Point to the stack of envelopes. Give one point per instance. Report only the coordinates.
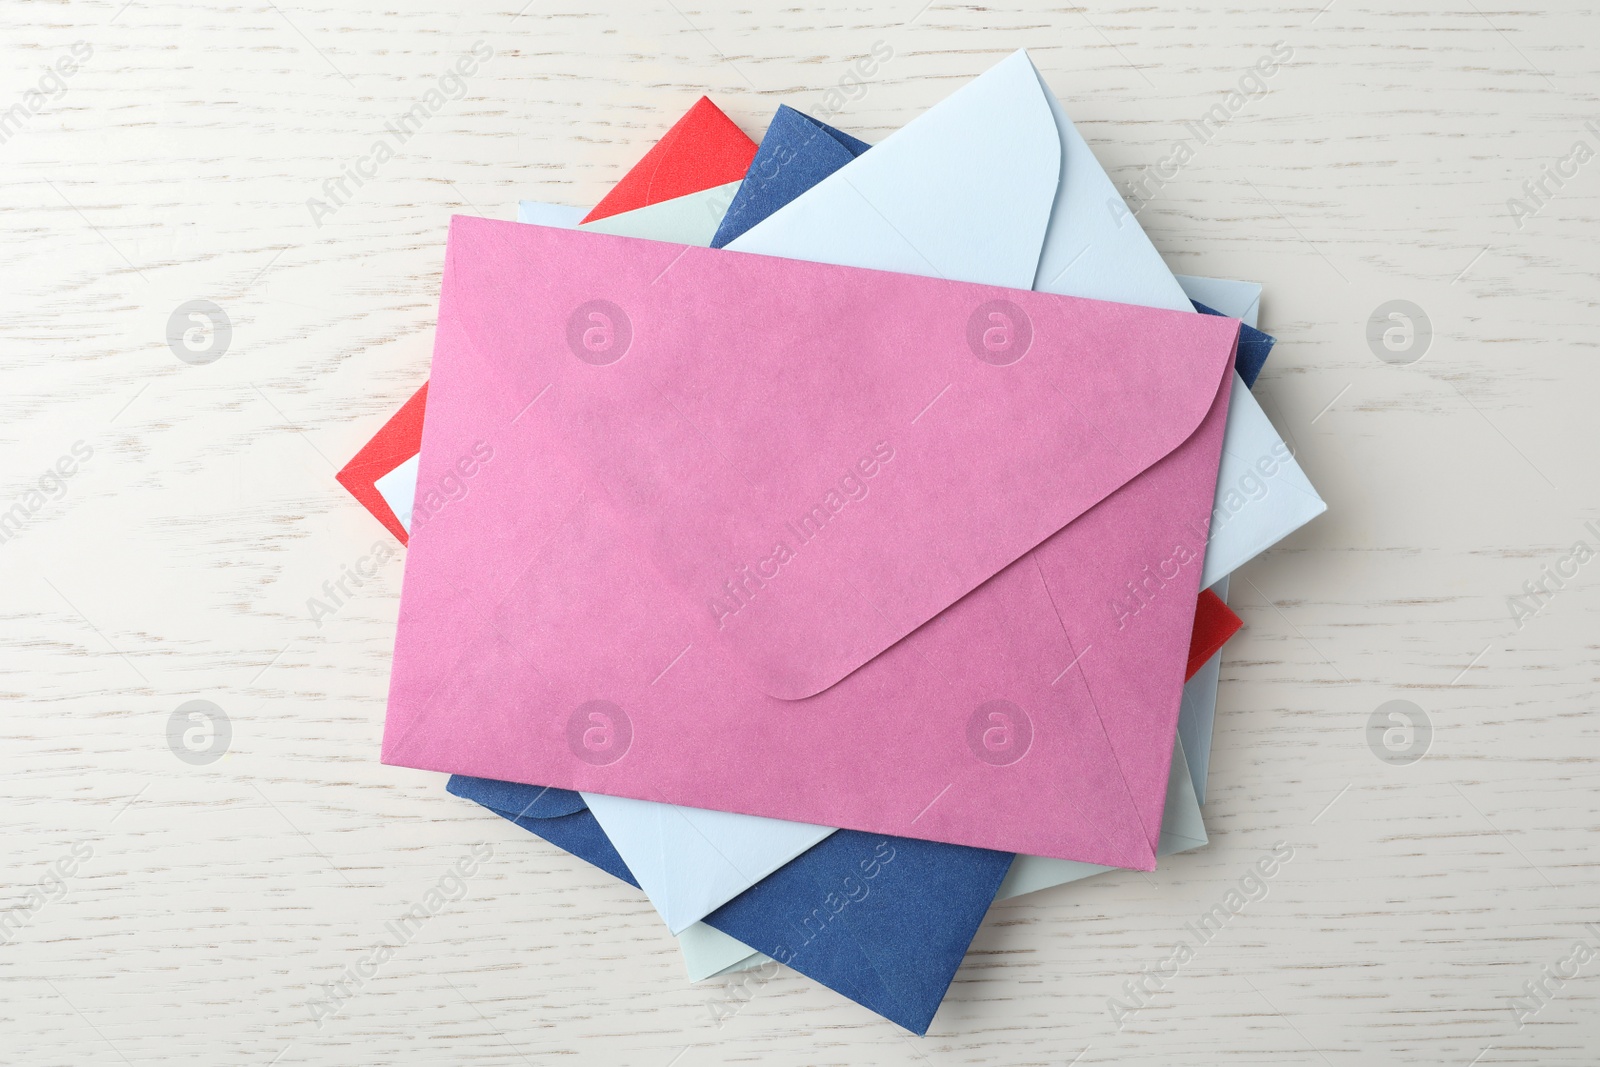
(831, 539)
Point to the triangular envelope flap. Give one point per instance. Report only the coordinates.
(693, 860)
(795, 443)
(581, 626)
(997, 131)
(885, 921)
(796, 153)
(1095, 247)
(514, 800)
(397, 441)
(702, 149)
(1136, 610)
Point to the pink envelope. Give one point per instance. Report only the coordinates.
(812, 542)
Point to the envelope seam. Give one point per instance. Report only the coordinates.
(1099, 719)
(909, 243)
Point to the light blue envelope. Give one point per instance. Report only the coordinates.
(1240, 300)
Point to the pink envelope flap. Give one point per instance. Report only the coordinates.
(821, 458)
(613, 422)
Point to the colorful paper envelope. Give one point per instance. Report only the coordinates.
(796, 153)
(1198, 637)
(1090, 163)
(394, 445)
(1240, 300)
(651, 587)
(1036, 90)
(1214, 623)
(702, 150)
(1254, 346)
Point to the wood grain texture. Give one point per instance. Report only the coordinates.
(177, 564)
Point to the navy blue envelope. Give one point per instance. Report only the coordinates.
(1254, 347)
(883, 920)
(796, 153)
(558, 815)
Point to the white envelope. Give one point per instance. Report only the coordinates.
(399, 490)
(1241, 300)
(691, 861)
(542, 214)
(684, 220)
(710, 953)
(1198, 712)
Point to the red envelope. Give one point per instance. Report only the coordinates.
(1214, 623)
(398, 440)
(704, 149)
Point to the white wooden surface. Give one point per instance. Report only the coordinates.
(178, 562)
